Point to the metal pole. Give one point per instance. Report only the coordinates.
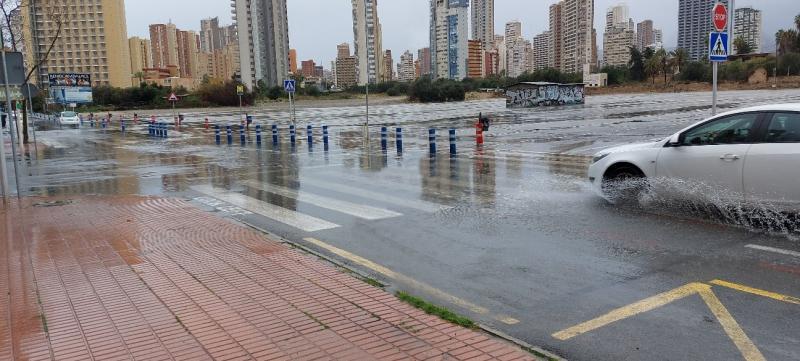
(366, 42)
(714, 89)
(731, 20)
(11, 122)
(240, 108)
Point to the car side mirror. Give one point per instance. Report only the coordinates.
(675, 141)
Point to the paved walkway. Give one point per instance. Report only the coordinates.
(125, 278)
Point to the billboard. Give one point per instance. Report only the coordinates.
(66, 88)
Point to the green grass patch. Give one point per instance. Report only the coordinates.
(435, 310)
(373, 282)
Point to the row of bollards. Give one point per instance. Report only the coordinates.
(384, 137)
(158, 130)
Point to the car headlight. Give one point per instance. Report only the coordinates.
(600, 157)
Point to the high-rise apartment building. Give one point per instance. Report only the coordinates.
(388, 64)
(106, 56)
(212, 36)
(449, 36)
(263, 32)
(140, 55)
(617, 16)
(619, 36)
(616, 46)
(308, 68)
(164, 45)
(556, 46)
(572, 29)
(405, 68)
(342, 50)
(645, 36)
(187, 53)
(490, 63)
(502, 54)
(424, 58)
(345, 67)
(293, 61)
(483, 22)
(519, 57)
(694, 25)
(748, 25)
(475, 59)
(368, 41)
(542, 51)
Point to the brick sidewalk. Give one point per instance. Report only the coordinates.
(124, 278)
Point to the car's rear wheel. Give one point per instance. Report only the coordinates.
(624, 183)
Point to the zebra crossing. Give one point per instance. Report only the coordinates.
(313, 223)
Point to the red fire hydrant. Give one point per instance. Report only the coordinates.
(479, 132)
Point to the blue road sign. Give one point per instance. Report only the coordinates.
(289, 86)
(718, 47)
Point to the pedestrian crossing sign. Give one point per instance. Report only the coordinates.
(718, 47)
(288, 85)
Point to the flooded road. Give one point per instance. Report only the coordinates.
(508, 233)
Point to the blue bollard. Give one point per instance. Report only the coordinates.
(230, 134)
(217, 136)
(432, 140)
(150, 130)
(274, 134)
(310, 134)
(166, 129)
(258, 135)
(325, 136)
(123, 125)
(241, 135)
(384, 138)
(104, 124)
(452, 142)
(292, 134)
(157, 129)
(399, 137)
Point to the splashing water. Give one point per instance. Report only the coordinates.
(697, 200)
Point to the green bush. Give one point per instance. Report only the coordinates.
(789, 64)
(442, 90)
(696, 71)
(734, 71)
(616, 74)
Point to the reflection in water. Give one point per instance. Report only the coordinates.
(281, 169)
(484, 177)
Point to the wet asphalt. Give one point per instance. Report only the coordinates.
(511, 227)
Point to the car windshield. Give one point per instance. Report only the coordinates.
(68, 114)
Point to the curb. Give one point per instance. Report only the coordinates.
(536, 351)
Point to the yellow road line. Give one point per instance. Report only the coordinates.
(408, 280)
(621, 313)
(756, 291)
(746, 346)
(749, 350)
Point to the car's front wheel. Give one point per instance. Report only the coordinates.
(624, 183)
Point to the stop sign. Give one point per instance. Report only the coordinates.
(720, 17)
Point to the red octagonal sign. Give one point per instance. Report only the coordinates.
(720, 17)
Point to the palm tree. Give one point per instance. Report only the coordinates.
(663, 62)
(139, 75)
(651, 67)
(797, 22)
(679, 57)
(786, 40)
(742, 46)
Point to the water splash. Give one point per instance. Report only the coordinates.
(698, 200)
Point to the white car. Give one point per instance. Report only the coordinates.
(749, 154)
(69, 118)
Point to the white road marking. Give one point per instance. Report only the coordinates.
(289, 217)
(353, 209)
(360, 192)
(774, 250)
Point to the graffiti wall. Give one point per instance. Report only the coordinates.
(537, 95)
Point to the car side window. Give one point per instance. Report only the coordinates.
(734, 129)
(784, 128)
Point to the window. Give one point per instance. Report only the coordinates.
(734, 129)
(784, 128)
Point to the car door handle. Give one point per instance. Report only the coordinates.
(730, 157)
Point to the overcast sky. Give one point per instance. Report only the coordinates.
(317, 26)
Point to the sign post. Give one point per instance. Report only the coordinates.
(173, 99)
(290, 86)
(718, 47)
(240, 93)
